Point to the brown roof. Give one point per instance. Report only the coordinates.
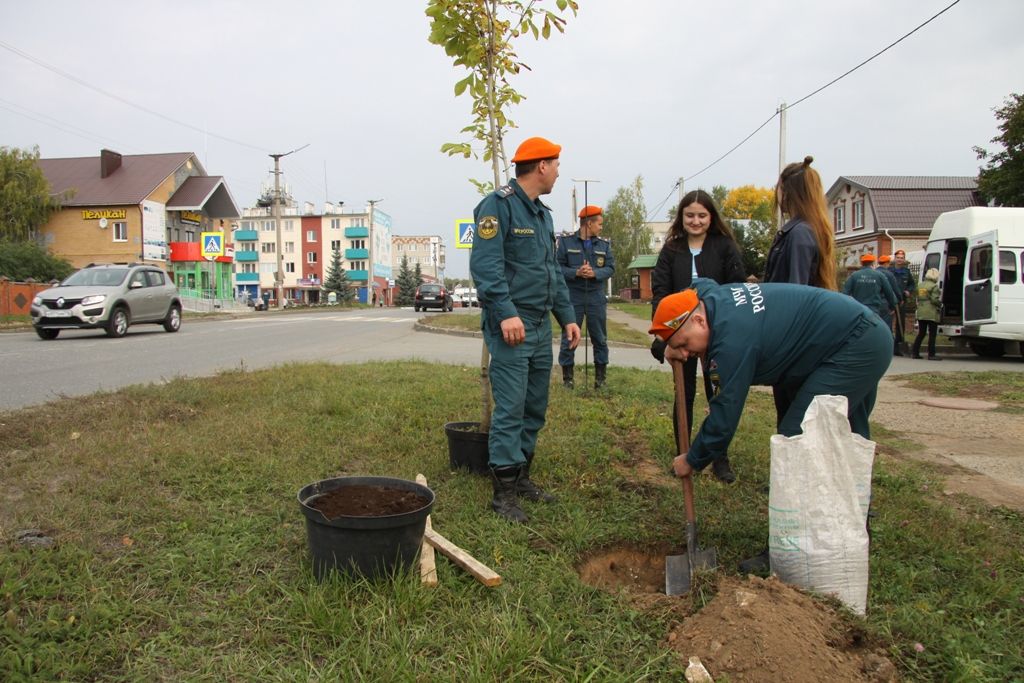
(912, 203)
(133, 182)
(204, 192)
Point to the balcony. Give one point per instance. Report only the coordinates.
(353, 254)
(247, 277)
(247, 256)
(246, 236)
(357, 232)
(356, 275)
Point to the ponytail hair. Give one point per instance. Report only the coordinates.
(799, 194)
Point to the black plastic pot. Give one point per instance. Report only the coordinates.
(367, 546)
(467, 447)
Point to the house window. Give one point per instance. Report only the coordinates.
(248, 267)
(335, 245)
(289, 225)
(120, 232)
(268, 248)
(858, 214)
(310, 257)
(190, 235)
(289, 267)
(246, 225)
(358, 244)
(357, 265)
(311, 235)
(268, 268)
(839, 217)
(268, 226)
(289, 247)
(335, 224)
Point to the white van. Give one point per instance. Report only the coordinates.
(979, 253)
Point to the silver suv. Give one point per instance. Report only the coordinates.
(111, 297)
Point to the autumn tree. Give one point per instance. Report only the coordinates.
(625, 226)
(1001, 179)
(26, 201)
(751, 212)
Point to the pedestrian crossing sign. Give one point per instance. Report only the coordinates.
(464, 230)
(213, 244)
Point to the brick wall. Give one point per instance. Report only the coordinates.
(16, 297)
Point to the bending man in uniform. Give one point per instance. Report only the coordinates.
(519, 286)
(808, 340)
(587, 264)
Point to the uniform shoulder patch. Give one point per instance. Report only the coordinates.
(488, 227)
(506, 191)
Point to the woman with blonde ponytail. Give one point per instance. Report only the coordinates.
(803, 250)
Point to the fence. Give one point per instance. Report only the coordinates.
(16, 297)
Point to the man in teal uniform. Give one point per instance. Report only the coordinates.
(808, 340)
(519, 285)
(871, 287)
(587, 263)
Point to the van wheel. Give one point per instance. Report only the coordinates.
(988, 348)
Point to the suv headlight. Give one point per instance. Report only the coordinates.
(94, 299)
(38, 301)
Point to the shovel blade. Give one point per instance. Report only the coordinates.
(679, 569)
(677, 574)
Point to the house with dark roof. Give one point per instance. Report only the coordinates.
(140, 207)
(880, 214)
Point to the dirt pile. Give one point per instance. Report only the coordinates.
(752, 630)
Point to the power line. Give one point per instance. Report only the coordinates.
(90, 86)
(833, 81)
(64, 126)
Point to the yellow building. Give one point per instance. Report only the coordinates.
(131, 208)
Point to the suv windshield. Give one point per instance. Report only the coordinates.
(93, 277)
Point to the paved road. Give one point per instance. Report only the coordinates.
(33, 371)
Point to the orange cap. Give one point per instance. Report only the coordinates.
(867, 258)
(673, 311)
(535, 149)
(590, 210)
(884, 258)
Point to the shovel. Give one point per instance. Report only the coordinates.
(680, 568)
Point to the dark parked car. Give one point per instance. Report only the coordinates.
(108, 297)
(432, 296)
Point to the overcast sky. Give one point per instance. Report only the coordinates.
(658, 88)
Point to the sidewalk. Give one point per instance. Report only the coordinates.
(622, 318)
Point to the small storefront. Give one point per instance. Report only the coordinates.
(199, 278)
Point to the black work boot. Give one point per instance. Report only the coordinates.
(722, 470)
(567, 377)
(505, 502)
(759, 564)
(525, 488)
(600, 374)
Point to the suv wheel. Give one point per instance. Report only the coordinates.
(47, 333)
(172, 323)
(117, 324)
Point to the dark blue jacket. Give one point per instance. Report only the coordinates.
(793, 256)
(571, 253)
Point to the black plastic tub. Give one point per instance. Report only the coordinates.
(373, 547)
(467, 447)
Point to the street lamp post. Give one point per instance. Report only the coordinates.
(278, 274)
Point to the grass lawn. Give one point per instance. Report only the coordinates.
(617, 332)
(180, 550)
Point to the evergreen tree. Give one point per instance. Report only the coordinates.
(407, 282)
(337, 281)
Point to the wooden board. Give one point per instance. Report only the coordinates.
(480, 571)
(428, 563)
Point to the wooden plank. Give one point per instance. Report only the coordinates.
(480, 571)
(428, 564)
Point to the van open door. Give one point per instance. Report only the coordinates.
(981, 279)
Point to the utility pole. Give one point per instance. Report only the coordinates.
(279, 274)
(369, 255)
(681, 191)
(782, 157)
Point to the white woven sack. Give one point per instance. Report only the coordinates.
(818, 505)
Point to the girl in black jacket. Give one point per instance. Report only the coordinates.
(699, 244)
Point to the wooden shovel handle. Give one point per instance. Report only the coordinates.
(683, 436)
